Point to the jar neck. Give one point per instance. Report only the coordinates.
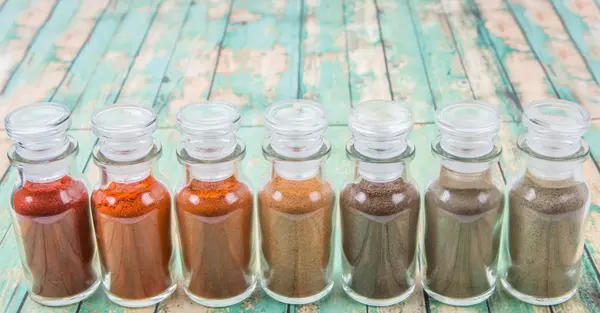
(211, 171)
(381, 172)
(297, 170)
(450, 178)
(45, 172)
(127, 174)
(126, 149)
(554, 170)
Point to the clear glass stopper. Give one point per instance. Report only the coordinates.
(39, 129)
(296, 127)
(125, 131)
(555, 127)
(468, 129)
(209, 129)
(380, 128)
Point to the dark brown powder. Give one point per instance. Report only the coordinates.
(379, 235)
(296, 227)
(546, 224)
(462, 226)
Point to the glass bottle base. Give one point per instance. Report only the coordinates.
(65, 301)
(219, 303)
(460, 301)
(536, 300)
(140, 303)
(377, 302)
(299, 301)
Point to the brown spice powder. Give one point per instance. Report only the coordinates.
(462, 226)
(379, 235)
(296, 228)
(546, 225)
(215, 220)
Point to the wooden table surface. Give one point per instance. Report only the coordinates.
(89, 54)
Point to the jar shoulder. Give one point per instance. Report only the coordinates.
(460, 200)
(549, 198)
(380, 198)
(131, 199)
(212, 199)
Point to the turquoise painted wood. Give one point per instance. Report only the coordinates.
(166, 53)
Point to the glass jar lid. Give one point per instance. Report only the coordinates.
(39, 129)
(125, 131)
(380, 128)
(555, 127)
(468, 129)
(209, 129)
(296, 127)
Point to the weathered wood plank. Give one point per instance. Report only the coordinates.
(51, 55)
(325, 67)
(447, 76)
(408, 78)
(111, 72)
(551, 44)
(485, 73)
(146, 75)
(366, 58)
(582, 21)
(22, 21)
(190, 73)
(254, 73)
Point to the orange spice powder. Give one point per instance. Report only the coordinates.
(215, 221)
(133, 226)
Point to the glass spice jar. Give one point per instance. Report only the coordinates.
(296, 205)
(132, 208)
(548, 204)
(50, 206)
(379, 207)
(214, 207)
(463, 206)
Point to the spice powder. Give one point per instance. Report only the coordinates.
(296, 228)
(546, 224)
(54, 227)
(133, 226)
(379, 236)
(462, 213)
(215, 220)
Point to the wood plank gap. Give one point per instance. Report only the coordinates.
(513, 95)
(457, 48)
(427, 305)
(12, 295)
(508, 4)
(87, 39)
(564, 25)
(214, 73)
(347, 53)
(589, 255)
(77, 102)
(185, 20)
(5, 233)
(78, 306)
(137, 52)
(387, 70)
(35, 37)
(433, 100)
(299, 91)
(22, 302)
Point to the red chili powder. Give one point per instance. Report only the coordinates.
(54, 228)
(133, 226)
(215, 220)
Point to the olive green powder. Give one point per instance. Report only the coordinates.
(546, 224)
(462, 231)
(379, 231)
